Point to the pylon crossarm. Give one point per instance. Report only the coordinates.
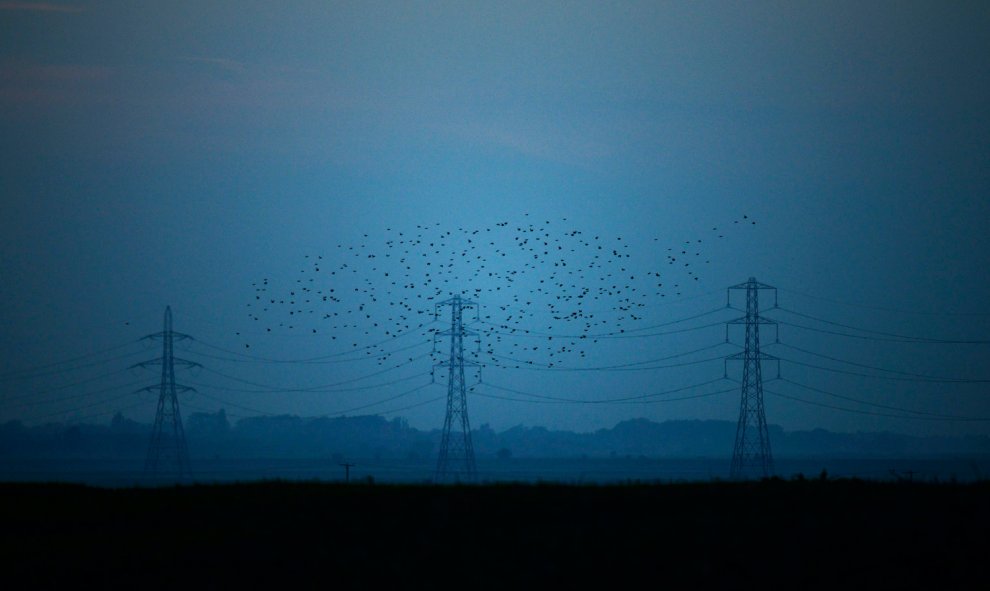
(743, 356)
(753, 284)
(176, 336)
(179, 389)
(151, 362)
(148, 363)
(757, 320)
(466, 332)
(464, 363)
(464, 303)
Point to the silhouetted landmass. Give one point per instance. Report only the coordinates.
(214, 436)
(801, 534)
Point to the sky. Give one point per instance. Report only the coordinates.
(190, 154)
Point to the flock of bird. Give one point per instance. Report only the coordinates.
(541, 289)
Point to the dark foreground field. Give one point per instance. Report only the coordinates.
(799, 534)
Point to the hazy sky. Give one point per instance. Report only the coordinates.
(177, 153)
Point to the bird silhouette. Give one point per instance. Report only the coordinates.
(560, 287)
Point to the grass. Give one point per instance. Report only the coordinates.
(798, 533)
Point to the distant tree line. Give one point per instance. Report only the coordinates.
(213, 435)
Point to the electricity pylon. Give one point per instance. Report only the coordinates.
(167, 452)
(751, 455)
(456, 459)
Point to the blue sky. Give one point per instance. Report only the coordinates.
(177, 153)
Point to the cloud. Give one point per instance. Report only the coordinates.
(40, 7)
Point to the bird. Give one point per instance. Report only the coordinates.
(559, 286)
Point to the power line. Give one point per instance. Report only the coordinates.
(692, 397)
(320, 387)
(324, 361)
(411, 406)
(383, 401)
(663, 324)
(865, 366)
(884, 308)
(883, 339)
(14, 373)
(866, 412)
(932, 379)
(619, 308)
(520, 332)
(78, 408)
(607, 367)
(72, 369)
(886, 334)
(320, 357)
(66, 386)
(616, 368)
(326, 391)
(883, 406)
(115, 410)
(629, 398)
(269, 332)
(203, 409)
(77, 396)
(236, 405)
(336, 413)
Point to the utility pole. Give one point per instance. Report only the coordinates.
(751, 455)
(456, 459)
(347, 471)
(167, 452)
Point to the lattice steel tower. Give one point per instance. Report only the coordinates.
(751, 455)
(456, 460)
(167, 453)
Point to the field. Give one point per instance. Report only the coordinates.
(575, 471)
(797, 533)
